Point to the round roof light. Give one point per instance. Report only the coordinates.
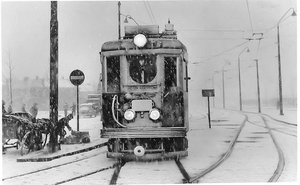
(140, 40)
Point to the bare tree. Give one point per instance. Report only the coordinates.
(8, 80)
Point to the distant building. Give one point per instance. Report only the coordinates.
(36, 90)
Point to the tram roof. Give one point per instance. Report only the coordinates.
(152, 43)
(155, 40)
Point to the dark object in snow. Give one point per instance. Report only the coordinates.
(77, 137)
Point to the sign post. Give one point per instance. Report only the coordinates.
(77, 77)
(208, 93)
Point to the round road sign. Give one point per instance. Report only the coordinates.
(77, 77)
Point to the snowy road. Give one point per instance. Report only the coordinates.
(253, 157)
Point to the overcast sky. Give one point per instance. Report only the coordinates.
(214, 31)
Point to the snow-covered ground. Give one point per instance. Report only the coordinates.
(289, 114)
(204, 143)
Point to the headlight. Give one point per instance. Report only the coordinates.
(140, 40)
(129, 114)
(154, 114)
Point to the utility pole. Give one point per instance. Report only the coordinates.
(223, 89)
(224, 84)
(53, 145)
(119, 19)
(279, 74)
(257, 72)
(258, 89)
(279, 62)
(240, 83)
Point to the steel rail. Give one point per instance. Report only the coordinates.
(292, 124)
(86, 174)
(281, 161)
(116, 173)
(277, 130)
(183, 171)
(51, 167)
(223, 158)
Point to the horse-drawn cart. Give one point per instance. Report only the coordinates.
(18, 130)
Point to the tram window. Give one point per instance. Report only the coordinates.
(142, 68)
(170, 72)
(113, 74)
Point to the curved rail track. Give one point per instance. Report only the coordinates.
(264, 123)
(291, 131)
(185, 178)
(195, 179)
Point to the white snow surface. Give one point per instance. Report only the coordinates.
(249, 162)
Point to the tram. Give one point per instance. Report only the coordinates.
(145, 94)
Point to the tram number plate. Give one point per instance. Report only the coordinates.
(208, 92)
(141, 105)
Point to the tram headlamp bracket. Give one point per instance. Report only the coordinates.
(140, 40)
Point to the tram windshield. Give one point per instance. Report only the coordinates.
(142, 68)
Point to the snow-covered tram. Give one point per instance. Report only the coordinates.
(145, 94)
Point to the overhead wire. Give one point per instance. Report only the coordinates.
(213, 38)
(230, 38)
(148, 12)
(222, 52)
(151, 12)
(276, 25)
(210, 30)
(249, 16)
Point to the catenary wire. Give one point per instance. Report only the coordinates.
(249, 16)
(151, 12)
(148, 12)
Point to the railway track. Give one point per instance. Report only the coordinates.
(87, 162)
(51, 167)
(118, 172)
(285, 128)
(224, 157)
(173, 176)
(88, 174)
(121, 168)
(281, 161)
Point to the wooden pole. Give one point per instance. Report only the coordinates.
(208, 112)
(53, 74)
(119, 19)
